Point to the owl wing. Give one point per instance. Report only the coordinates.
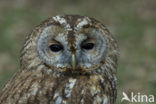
(28, 87)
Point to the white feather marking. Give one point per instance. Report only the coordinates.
(72, 83)
(56, 95)
(69, 86)
(59, 19)
(105, 100)
(101, 79)
(88, 65)
(115, 78)
(35, 91)
(82, 92)
(59, 65)
(110, 60)
(58, 100)
(81, 24)
(33, 43)
(97, 100)
(40, 67)
(64, 102)
(93, 90)
(62, 21)
(82, 101)
(31, 65)
(28, 46)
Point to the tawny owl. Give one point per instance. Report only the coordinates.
(68, 59)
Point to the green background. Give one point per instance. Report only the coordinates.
(132, 22)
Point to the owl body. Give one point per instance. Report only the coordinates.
(42, 88)
(67, 59)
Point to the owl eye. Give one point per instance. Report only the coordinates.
(87, 46)
(56, 47)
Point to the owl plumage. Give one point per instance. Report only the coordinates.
(67, 59)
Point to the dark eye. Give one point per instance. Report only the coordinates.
(87, 46)
(56, 47)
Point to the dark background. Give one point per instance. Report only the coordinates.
(132, 22)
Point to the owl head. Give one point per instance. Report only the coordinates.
(70, 43)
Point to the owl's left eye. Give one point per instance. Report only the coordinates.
(56, 47)
(87, 46)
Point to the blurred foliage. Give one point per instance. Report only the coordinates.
(132, 22)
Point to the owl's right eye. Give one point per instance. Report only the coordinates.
(56, 47)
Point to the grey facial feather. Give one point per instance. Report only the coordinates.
(84, 58)
(42, 47)
(63, 59)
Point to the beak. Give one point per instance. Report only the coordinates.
(73, 61)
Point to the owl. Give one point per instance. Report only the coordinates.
(67, 59)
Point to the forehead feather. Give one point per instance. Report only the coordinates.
(63, 22)
(72, 22)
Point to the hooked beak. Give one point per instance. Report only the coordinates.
(73, 61)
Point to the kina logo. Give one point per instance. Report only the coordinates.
(137, 97)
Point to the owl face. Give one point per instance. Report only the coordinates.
(71, 43)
